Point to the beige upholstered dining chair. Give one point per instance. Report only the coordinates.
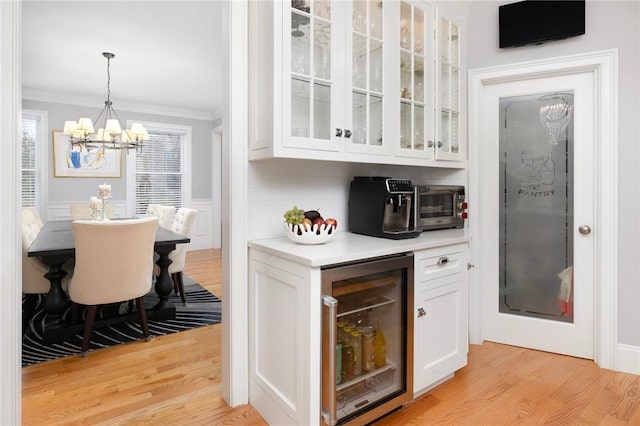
(114, 263)
(33, 270)
(183, 224)
(166, 214)
(83, 211)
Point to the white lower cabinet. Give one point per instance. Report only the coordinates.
(441, 314)
(284, 340)
(285, 321)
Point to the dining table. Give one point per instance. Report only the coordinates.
(55, 246)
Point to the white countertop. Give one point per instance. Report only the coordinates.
(348, 247)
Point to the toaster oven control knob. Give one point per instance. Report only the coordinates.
(463, 206)
(463, 215)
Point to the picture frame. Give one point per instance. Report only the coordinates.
(77, 162)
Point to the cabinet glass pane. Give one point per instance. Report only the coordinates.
(444, 41)
(322, 49)
(418, 31)
(454, 87)
(375, 19)
(445, 82)
(360, 16)
(418, 78)
(359, 114)
(322, 8)
(418, 128)
(405, 125)
(454, 45)
(300, 108)
(359, 61)
(375, 123)
(300, 44)
(405, 26)
(406, 71)
(375, 59)
(445, 125)
(455, 144)
(302, 5)
(321, 111)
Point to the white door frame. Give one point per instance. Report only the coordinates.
(604, 66)
(216, 186)
(10, 235)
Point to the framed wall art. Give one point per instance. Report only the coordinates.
(74, 161)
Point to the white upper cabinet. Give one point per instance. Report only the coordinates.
(449, 93)
(359, 81)
(415, 45)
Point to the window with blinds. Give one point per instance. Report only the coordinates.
(30, 160)
(159, 174)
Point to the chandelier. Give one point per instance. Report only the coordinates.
(555, 114)
(110, 135)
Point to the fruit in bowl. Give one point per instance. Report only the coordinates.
(308, 227)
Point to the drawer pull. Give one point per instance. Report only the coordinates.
(443, 260)
(421, 312)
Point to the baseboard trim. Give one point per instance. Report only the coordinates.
(628, 359)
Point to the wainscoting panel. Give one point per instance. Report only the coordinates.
(202, 237)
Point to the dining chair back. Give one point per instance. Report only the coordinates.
(33, 270)
(114, 263)
(36, 214)
(183, 224)
(166, 214)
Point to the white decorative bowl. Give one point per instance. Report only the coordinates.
(309, 235)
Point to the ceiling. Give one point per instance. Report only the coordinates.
(168, 53)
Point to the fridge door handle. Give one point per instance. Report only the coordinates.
(329, 413)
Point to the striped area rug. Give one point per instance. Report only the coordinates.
(203, 308)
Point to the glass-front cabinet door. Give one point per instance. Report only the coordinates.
(416, 44)
(312, 59)
(368, 50)
(448, 107)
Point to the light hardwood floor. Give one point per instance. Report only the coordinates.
(175, 380)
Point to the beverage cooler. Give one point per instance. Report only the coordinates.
(367, 339)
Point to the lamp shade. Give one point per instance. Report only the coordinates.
(69, 127)
(85, 125)
(112, 126)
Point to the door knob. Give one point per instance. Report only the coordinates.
(584, 229)
(421, 312)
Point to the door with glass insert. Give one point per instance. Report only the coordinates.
(416, 80)
(538, 176)
(311, 58)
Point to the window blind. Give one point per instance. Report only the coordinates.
(159, 171)
(30, 160)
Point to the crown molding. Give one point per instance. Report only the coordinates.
(86, 101)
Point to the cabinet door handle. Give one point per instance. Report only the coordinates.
(439, 144)
(338, 132)
(443, 260)
(421, 312)
(430, 144)
(347, 133)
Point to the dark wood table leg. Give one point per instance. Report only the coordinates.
(56, 301)
(164, 309)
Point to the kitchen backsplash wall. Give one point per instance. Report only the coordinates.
(277, 185)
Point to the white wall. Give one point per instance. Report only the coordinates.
(609, 24)
(275, 186)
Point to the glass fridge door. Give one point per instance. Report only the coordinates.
(366, 335)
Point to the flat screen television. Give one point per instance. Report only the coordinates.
(536, 22)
